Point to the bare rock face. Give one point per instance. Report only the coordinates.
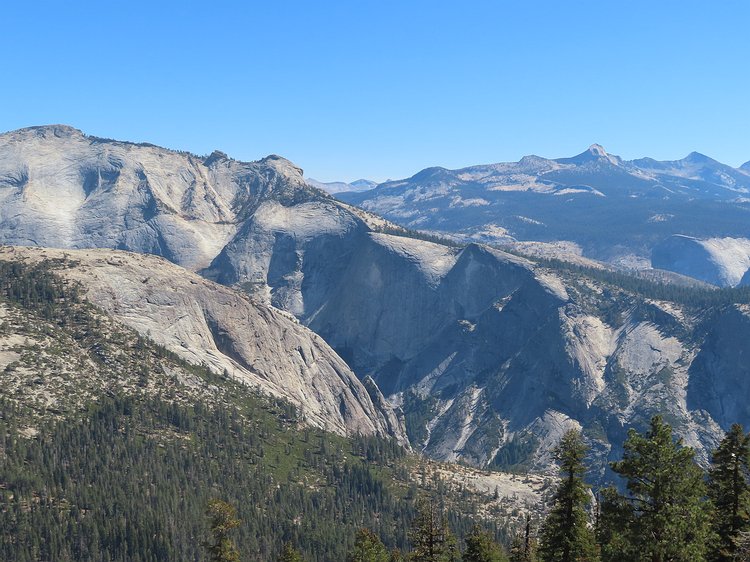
(720, 372)
(61, 188)
(719, 261)
(207, 323)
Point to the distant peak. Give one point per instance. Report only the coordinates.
(215, 156)
(272, 157)
(697, 157)
(531, 159)
(433, 173)
(363, 183)
(282, 164)
(474, 250)
(746, 166)
(594, 153)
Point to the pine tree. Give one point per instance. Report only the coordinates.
(523, 546)
(480, 547)
(665, 516)
(729, 489)
(368, 548)
(222, 520)
(430, 537)
(615, 522)
(289, 554)
(565, 535)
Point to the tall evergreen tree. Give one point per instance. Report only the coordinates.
(222, 520)
(480, 547)
(614, 526)
(430, 537)
(523, 547)
(368, 548)
(729, 489)
(664, 517)
(289, 554)
(565, 535)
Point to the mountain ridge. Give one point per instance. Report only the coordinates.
(614, 210)
(342, 187)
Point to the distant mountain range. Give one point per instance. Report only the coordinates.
(618, 211)
(356, 186)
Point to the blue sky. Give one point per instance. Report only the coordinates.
(383, 89)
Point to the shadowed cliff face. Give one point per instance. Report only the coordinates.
(491, 356)
(720, 372)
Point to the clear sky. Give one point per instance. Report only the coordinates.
(382, 89)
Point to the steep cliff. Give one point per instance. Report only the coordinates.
(206, 323)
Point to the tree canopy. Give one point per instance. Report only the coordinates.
(664, 515)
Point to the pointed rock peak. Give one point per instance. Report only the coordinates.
(595, 153)
(474, 247)
(216, 156)
(475, 250)
(597, 150)
(479, 253)
(698, 158)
